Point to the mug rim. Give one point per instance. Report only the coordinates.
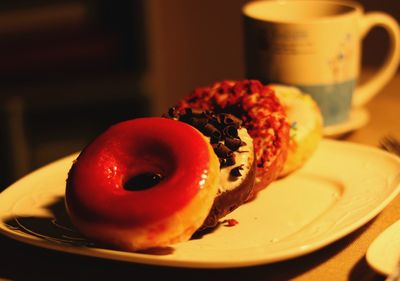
(356, 8)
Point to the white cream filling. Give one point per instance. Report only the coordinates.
(243, 156)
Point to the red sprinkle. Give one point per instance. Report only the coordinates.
(230, 222)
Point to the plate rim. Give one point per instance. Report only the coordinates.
(379, 241)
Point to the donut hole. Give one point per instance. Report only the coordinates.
(152, 164)
(142, 181)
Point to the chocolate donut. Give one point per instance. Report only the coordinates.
(234, 148)
(263, 116)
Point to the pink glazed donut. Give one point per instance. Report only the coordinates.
(143, 183)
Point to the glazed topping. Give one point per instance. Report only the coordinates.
(150, 154)
(222, 129)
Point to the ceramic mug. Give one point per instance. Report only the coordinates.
(316, 46)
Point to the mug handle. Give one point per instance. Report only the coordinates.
(369, 89)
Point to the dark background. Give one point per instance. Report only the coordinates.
(71, 68)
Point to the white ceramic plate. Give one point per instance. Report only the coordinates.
(383, 254)
(358, 118)
(341, 188)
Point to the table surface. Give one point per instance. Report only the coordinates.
(342, 260)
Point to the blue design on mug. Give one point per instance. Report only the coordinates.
(334, 100)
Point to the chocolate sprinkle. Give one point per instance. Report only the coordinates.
(230, 161)
(214, 140)
(222, 129)
(172, 113)
(230, 131)
(229, 119)
(233, 143)
(188, 111)
(199, 122)
(212, 131)
(235, 172)
(222, 151)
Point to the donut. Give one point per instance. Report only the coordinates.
(234, 148)
(263, 116)
(143, 183)
(306, 126)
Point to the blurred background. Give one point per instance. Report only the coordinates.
(71, 68)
